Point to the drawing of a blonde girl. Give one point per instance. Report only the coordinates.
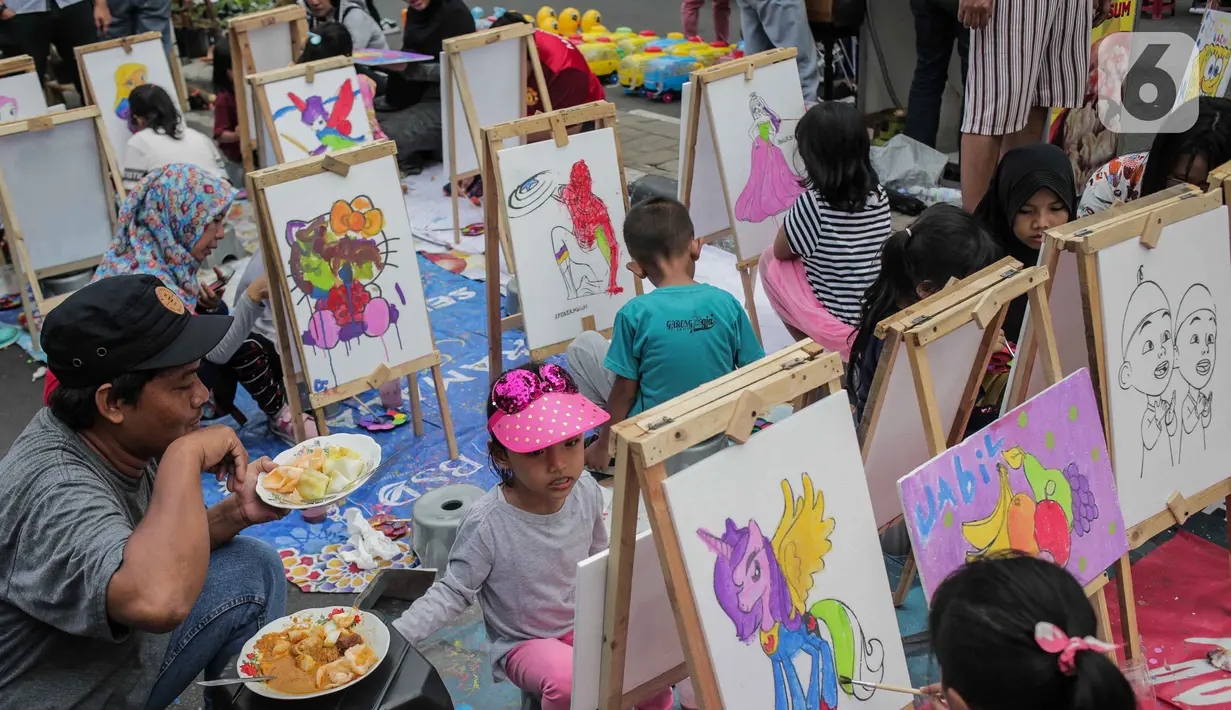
(772, 186)
(127, 76)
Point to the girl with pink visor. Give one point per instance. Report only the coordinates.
(518, 547)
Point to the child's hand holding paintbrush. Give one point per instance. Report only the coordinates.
(932, 691)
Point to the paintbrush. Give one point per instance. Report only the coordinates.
(879, 686)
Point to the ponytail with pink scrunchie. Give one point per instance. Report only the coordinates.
(1053, 640)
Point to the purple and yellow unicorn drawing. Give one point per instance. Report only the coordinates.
(772, 186)
(763, 586)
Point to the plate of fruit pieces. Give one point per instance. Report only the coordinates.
(319, 471)
(313, 652)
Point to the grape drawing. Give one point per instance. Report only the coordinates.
(1085, 510)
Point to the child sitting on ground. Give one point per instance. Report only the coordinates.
(226, 115)
(675, 338)
(828, 250)
(518, 547)
(1016, 633)
(944, 243)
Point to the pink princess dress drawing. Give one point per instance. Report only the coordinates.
(772, 186)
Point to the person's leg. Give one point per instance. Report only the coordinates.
(123, 19)
(755, 39)
(154, 16)
(543, 667)
(585, 357)
(689, 11)
(244, 590)
(1065, 66)
(253, 370)
(27, 33)
(722, 20)
(785, 23)
(416, 130)
(1032, 132)
(72, 27)
(934, 35)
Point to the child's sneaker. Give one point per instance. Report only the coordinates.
(283, 427)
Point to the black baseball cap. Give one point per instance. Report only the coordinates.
(125, 324)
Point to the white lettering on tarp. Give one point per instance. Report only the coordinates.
(436, 303)
(1215, 692)
(518, 352)
(396, 494)
(448, 377)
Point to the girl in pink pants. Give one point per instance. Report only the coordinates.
(690, 9)
(517, 548)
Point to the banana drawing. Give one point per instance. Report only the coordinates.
(991, 533)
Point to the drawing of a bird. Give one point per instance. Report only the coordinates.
(332, 126)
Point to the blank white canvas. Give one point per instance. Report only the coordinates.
(47, 170)
(653, 644)
(398, 284)
(21, 97)
(1068, 323)
(741, 485)
(271, 49)
(112, 74)
(301, 133)
(561, 280)
(1155, 370)
(899, 444)
(735, 106)
(707, 203)
(493, 74)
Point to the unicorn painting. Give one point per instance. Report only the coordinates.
(763, 585)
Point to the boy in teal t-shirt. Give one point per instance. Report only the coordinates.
(673, 339)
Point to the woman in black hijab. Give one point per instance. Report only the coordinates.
(410, 114)
(1033, 191)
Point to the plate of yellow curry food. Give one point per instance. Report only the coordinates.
(314, 652)
(319, 471)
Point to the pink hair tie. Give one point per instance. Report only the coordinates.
(1052, 640)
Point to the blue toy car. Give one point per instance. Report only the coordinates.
(665, 77)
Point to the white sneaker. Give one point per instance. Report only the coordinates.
(282, 427)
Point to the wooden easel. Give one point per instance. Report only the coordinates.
(496, 218)
(1146, 225)
(308, 71)
(460, 82)
(243, 64)
(91, 96)
(746, 264)
(288, 328)
(177, 73)
(33, 302)
(21, 64)
(727, 405)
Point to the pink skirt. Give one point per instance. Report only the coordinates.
(786, 285)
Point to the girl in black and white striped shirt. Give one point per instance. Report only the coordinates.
(828, 250)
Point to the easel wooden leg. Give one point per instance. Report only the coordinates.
(457, 226)
(908, 578)
(749, 281)
(446, 419)
(1228, 500)
(619, 579)
(1128, 609)
(1101, 614)
(416, 407)
(322, 425)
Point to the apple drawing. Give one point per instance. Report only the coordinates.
(1051, 530)
(1021, 525)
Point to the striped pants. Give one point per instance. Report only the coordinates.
(1033, 53)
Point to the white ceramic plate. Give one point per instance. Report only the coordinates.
(374, 632)
(365, 446)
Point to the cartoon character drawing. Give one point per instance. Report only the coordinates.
(332, 126)
(762, 585)
(772, 186)
(335, 261)
(1039, 521)
(1149, 357)
(1196, 339)
(128, 77)
(1212, 61)
(8, 109)
(588, 255)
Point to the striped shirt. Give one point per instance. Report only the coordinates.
(840, 250)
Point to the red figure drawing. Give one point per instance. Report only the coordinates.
(591, 223)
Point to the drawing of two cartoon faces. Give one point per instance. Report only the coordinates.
(1155, 345)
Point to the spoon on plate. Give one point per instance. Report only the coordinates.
(235, 681)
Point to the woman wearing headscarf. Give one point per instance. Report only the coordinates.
(411, 113)
(168, 226)
(1032, 191)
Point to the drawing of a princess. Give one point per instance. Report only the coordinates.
(127, 77)
(772, 185)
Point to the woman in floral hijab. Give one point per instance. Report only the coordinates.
(168, 226)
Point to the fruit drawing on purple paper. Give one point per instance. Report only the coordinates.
(335, 263)
(1040, 521)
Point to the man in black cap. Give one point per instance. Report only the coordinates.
(117, 585)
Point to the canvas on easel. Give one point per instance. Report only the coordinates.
(792, 496)
(556, 209)
(261, 41)
(45, 163)
(110, 70)
(740, 173)
(310, 109)
(498, 57)
(344, 280)
(21, 93)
